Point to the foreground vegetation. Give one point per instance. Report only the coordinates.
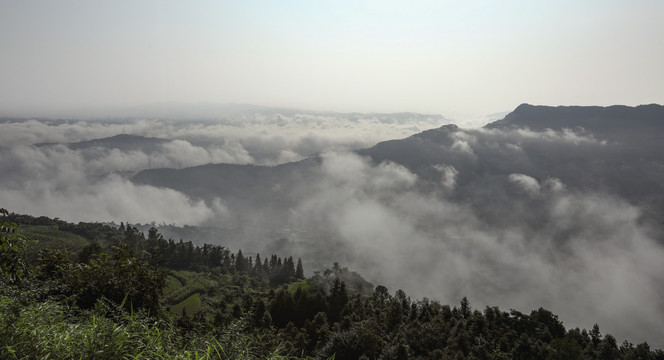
(92, 291)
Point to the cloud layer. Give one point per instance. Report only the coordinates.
(59, 182)
(475, 213)
(590, 260)
(89, 183)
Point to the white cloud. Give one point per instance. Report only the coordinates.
(60, 182)
(590, 260)
(527, 183)
(448, 175)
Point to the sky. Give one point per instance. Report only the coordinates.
(441, 57)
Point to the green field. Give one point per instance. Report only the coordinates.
(50, 237)
(182, 284)
(191, 305)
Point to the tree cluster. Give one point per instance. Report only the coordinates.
(320, 316)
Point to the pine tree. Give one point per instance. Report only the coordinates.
(289, 267)
(258, 267)
(299, 272)
(465, 308)
(240, 262)
(266, 267)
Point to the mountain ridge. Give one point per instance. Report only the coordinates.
(122, 141)
(541, 117)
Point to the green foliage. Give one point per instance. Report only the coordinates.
(354, 282)
(51, 237)
(13, 266)
(103, 300)
(43, 330)
(565, 348)
(298, 286)
(172, 285)
(355, 343)
(53, 264)
(183, 284)
(50, 330)
(299, 270)
(117, 276)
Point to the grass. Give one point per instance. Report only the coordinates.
(49, 330)
(45, 330)
(50, 237)
(191, 305)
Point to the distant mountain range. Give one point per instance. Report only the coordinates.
(615, 150)
(639, 127)
(123, 142)
(601, 120)
(241, 185)
(559, 206)
(202, 111)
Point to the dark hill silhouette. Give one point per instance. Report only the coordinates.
(595, 118)
(618, 151)
(642, 124)
(239, 185)
(615, 150)
(123, 142)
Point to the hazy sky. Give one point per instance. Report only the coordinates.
(448, 57)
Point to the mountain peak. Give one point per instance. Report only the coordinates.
(594, 118)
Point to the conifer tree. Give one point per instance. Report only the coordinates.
(258, 267)
(299, 272)
(289, 267)
(240, 262)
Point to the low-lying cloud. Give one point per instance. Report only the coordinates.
(590, 260)
(527, 183)
(41, 175)
(477, 215)
(261, 138)
(60, 182)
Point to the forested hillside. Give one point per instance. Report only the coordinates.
(90, 290)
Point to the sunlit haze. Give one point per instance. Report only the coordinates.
(456, 58)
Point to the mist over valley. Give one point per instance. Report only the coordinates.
(559, 207)
(382, 180)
